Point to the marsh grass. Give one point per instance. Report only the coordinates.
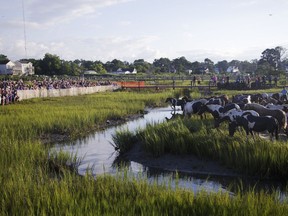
(34, 180)
(261, 158)
(123, 141)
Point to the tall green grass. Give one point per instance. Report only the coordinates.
(261, 158)
(71, 115)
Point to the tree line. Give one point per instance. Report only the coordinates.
(272, 62)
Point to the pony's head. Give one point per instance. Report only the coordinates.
(168, 99)
(217, 121)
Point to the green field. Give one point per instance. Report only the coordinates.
(35, 181)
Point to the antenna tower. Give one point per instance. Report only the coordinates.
(24, 27)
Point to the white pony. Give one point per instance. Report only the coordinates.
(193, 107)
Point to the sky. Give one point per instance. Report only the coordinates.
(128, 30)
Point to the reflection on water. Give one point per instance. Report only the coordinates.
(97, 153)
(97, 147)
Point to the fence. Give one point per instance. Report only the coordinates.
(131, 84)
(41, 93)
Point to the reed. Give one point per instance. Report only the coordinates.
(123, 141)
(260, 158)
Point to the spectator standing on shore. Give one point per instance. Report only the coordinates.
(199, 80)
(275, 80)
(270, 79)
(284, 91)
(227, 79)
(194, 80)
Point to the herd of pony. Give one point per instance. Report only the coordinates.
(253, 112)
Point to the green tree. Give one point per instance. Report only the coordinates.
(99, 68)
(50, 65)
(270, 60)
(3, 59)
(222, 66)
(196, 67)
(115, 64)
(209, 64)
(181, 64)
(87, 65)
(248, 67)
(162, 65)
(142, 66)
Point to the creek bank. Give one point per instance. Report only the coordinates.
(51, 138)
(189, 164)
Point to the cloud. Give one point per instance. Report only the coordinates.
(122, 48)
(54, 11)
(222, 54)
(125, 23)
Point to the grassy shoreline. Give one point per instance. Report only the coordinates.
(30, 187)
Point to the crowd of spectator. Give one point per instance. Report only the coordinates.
(246, 82)
(8, 88)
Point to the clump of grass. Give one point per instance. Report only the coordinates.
(59, 162)
(160, 139)
(123, 141)
(194, 136)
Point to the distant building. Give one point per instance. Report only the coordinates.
(233, 69)
(216, 69)
(17, 68)
(124, 71)
(172, 69)
(90, 72)
(202, 70)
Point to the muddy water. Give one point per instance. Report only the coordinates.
(98, 155)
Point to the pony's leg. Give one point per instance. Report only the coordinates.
(252, 135)
(240, 130)
(247, 134)
(271, 136)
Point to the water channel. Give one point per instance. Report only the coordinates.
(98, 155)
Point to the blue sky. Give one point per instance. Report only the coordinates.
(143, 29)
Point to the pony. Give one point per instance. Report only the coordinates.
(214, 101)
(263, 111)
(221, 100)
(278, 106)
(216, 110)
(241, 99)
(231, 116)
(174, 116)
(270, 100)
(175, 102)
(193, 107)
(252, 123)
(256, 98)
(266, 95)
(280, 97)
